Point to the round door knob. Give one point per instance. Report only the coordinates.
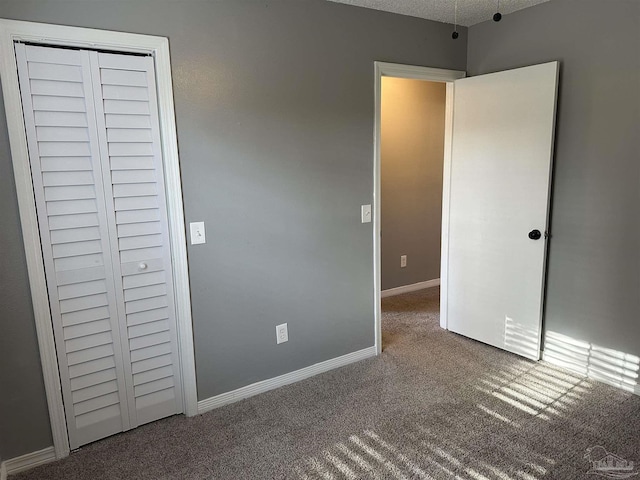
(143, 266)
(535, 235)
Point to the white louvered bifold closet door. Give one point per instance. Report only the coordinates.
(96, 166)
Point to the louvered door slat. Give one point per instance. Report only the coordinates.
(88, 342)
(61, 89)
(71, 208)
(130, 78)
(146, 316)
(74, 235)
(84, 303)
(86, 368)
(78, 276)
(145, 292)
(121, 92)
(48, 71)
(71, 249)
(85, 329)
(78, 262)
(97, 403)
(79, 318)
(64, 149)
(135, 203)
(139, 254)
(87, 355)
(59, 134)
(128, 121)
(124, 135)
(152, 363)
(95, 378)
(58, 104)
(143, 279)
(154, 374)
(63, 119)
(132, 163)
(154, 386)
(148, 328)
(65, 164)
(81, 289)
(153, 351)
(138, 216)
(53, 56)
(126, 107)
(95, 391)
(134, 176)
(134, 229)
(73, 221)
(71, 192)
(59, 111)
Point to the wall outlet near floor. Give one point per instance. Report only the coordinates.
(403, 261)
(282, 334)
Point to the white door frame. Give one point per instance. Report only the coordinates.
(396, 70)
(158, 47)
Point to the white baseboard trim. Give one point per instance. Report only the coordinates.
(286, 379)
(410, 288)
(27, 461)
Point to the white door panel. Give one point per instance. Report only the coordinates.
(500, 176)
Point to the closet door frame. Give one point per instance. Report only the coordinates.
(58, 35)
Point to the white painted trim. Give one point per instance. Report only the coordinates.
(414, 287)
(177, 235)
(416, 72)
(377, 268)
(10, 31)
(25, 462)
(31, 235)
(446, 205)
(286, 379)
(383, 69)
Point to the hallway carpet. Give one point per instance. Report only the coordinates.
(433, 405)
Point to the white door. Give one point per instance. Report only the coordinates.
(503, 130)
(93, 138)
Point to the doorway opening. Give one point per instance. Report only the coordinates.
(413, 128)
(412, 138)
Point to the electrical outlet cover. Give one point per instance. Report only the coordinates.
(282, 334)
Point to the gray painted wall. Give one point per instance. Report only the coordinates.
(24, 418)
(411, 154)
(593, 290)
(274, 107)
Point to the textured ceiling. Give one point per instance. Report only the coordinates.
(470, 12)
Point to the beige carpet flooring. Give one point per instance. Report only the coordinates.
(433, 405)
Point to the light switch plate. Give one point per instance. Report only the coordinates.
(365, 212)
(197, 233)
